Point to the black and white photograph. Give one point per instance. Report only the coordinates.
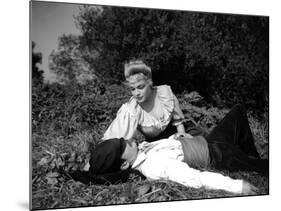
(135, 105)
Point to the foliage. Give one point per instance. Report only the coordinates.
(69, 62)
(67, 109)
(202, 116)
(119, 34)
(223, 57)
(37, 74)
(228, 58)
(67, 120)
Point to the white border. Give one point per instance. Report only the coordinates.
(15, 102)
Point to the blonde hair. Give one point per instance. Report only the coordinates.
(138, 69)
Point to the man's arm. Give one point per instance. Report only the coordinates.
(158, 167)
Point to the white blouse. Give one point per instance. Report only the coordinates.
(131, 117)
(164, 160)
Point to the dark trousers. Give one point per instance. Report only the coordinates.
(231, 144)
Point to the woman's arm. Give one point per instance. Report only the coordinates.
(178, 116)
(123, 126)
(180, 128)
(181, 132)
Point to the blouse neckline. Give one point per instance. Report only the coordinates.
(159, 103)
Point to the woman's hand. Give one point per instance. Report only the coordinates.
(248, 189)
(182, 135)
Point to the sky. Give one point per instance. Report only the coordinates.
(49, 20)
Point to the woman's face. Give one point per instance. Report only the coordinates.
(141, 90)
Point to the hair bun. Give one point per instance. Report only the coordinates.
(137, 66)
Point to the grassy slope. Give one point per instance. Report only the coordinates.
(53, 151)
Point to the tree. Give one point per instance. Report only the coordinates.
(37, 74)
(223, 57)
(227, 58)
(67, 61)
(119, 34)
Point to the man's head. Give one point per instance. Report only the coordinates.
(130, 154)
(112, 155)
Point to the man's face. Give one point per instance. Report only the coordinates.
(130, 154)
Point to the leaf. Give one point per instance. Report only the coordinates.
(59, 162)
(52, 181)
(123, 199)
(52, 174)
(99, 198)
(72, 157)
(81, 201)
(43, 161)
(143, 190)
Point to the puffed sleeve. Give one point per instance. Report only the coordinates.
(177, 115)
(123, 126)
(171, 104)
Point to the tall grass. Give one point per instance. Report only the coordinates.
(59, 143)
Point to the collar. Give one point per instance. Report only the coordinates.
(140, 160)
(144, 147)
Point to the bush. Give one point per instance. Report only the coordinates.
(67, 109)
(223, 57)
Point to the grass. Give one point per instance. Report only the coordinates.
(52, 151)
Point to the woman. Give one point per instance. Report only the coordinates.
(152, 110)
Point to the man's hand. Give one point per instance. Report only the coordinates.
(248, 189)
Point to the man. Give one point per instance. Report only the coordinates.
(186, 160)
